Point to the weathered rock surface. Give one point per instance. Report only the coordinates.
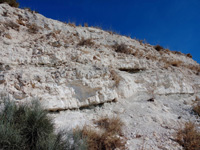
(43, 58)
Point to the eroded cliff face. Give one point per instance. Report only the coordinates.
(44, 58)
(68, 67)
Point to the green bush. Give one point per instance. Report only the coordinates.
(28, 127)
(12, 3)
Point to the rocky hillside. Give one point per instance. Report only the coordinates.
(96, 72)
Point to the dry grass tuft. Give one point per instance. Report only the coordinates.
(12, 3)
(87, 42)
(72, 24)
(189, 55)
(188, 137)
(20, 21)
(33, 28)
(177, 52)
(158, 47)
(47, 27)
(85, 24)
(8, 36)
(122, 48)
(175, 63)
(194, 68)
(56, 44)
(112, 125)
(115, 76)
(196, 107)
(108, 138)
(12, 25)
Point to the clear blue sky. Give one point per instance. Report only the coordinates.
(174, 24)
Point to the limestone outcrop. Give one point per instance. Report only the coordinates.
(43, 58)
(70, 67)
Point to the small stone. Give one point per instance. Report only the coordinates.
(1, 67)
(2, 80)
(7, 67)
(185, 103)
(19, 96)
(151, 100)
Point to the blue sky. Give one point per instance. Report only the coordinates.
(173, 24)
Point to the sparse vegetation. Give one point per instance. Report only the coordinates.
(97, 27)
(56, 44)
(194, 68)
(33, 28)
(30, 10)
(176, 63)
(12, 3)
(72, 24)
(189, 55)
(27, 127)
(112, 125)
(108, 138)
(12, 25)
(122, 48)
(20, 21)
(85, 24)
(188, 137)
(8, 36)
(87, 42)
(177, 52)
(196, 107)
(158, 47)
(113, 32)
(115, 76)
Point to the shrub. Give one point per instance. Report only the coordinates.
(20, 21)
(108, 138)
(10, 136)
(122, 48)
(8, 36)
(188, 137)
(56, 44)
(72, 24)
(112, 125)
(37, 125)
(27, 127)
(189, 55)
(87, 42)
(196, 107)
(85, 24)
(12, 25)
(175, 63)
(158, 47)
(33, 28)
(12, 3)
(177, 52)
(30, 10)
(79, 142)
